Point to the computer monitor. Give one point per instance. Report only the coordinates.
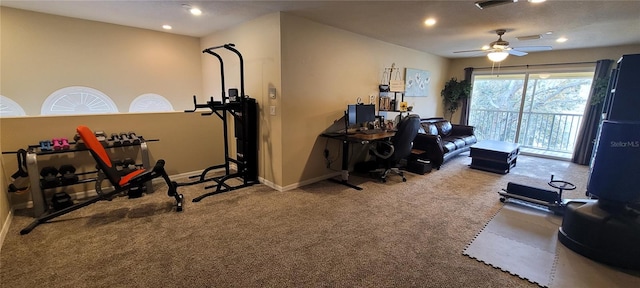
(361, 113)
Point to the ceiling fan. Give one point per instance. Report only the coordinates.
(499, 50)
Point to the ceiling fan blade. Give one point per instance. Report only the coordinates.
(468, 51)
(533, 48)
(516, 52)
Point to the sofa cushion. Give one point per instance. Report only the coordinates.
(448, 146)
(469, 139)
(429, 128)
(459, 143)
(444, 127)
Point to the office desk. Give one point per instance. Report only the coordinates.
(354, 138)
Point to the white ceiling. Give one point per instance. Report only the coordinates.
(461, 25)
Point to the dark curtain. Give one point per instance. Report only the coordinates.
(592, 116)
(464, 111)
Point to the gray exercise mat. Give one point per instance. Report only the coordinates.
(522, 241)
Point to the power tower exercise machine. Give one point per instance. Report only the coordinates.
(244, 113)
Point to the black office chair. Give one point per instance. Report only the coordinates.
(389, 153)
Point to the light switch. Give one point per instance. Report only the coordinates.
(272, 110)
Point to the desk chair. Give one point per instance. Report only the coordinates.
(120, 182)
(389, 153)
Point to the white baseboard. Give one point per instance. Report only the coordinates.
(92, 193)
(5, 228)
(298, 184)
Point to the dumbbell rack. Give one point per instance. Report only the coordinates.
(40, 205)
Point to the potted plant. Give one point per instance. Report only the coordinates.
(453, 93)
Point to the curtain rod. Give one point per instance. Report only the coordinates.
(536, 65)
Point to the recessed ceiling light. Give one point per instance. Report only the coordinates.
(561, 40)
(195, 11)
(536, 1)
(430, 22)
(166, 27)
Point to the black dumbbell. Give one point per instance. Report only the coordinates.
(68, 174)
(134, 138)
(115, 139)
(79, 142)
(135, 191)
(128, 165)
(49, 177)
(101, 136)
(61, 200)
(125, 138)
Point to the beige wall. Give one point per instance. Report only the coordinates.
(42, 53)
(259, 43)
(323, 70)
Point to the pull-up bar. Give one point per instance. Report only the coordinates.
(230, 47)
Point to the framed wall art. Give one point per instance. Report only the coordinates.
(417, 83)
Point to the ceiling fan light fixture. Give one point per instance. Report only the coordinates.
(497, 56)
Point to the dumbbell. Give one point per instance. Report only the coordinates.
(135, 192)
(125, 138)
(128, 165)
(79, 142)
(134, 138)
(115, 138)
(49, 177)
(68, 174)
(60, 144)
(45, 145)
(61, 200)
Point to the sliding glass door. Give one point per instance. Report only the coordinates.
(541, 111)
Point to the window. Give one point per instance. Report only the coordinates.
(541, 111)
(77, 100)
(150, 103)
(9, 108)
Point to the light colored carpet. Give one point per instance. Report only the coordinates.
(393, 234)
(522, 240)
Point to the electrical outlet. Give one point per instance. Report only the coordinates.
(272, 110)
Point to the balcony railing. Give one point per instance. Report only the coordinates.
(543, 132)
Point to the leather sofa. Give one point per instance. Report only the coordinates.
(440, 140)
